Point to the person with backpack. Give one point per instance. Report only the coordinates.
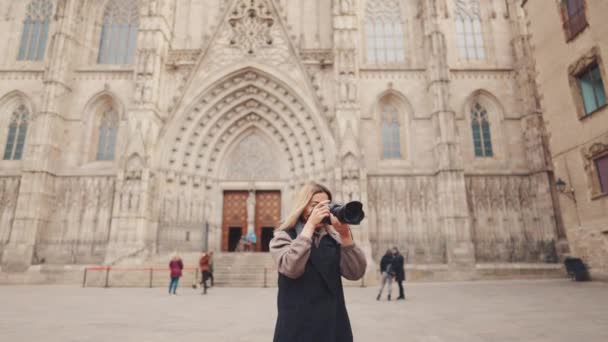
(175, 266)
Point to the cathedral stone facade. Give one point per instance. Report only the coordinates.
(136, 128)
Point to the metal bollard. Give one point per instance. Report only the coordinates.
(84, 278)
(151, 275)
(265, 271)
(107, 278)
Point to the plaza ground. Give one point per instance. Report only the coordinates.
(541, 310)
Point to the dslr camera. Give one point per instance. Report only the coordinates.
(349, 213)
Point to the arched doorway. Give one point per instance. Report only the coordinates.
(246, 131)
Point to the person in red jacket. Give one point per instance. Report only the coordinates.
(204, 266)
(176, 266)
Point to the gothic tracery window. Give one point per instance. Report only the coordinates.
(35, 30)
(119, 32)
(469, 34)
(390, 129)
(480, 125)
(108, 129)
(384, 32)
(17, 130)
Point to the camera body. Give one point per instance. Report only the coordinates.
(349, 213)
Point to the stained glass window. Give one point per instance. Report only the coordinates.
(119, 32)
(480, 125)
(17, 130)
(35, 30)
(384, 32)
(469, 35)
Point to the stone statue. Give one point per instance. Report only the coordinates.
(250, 211)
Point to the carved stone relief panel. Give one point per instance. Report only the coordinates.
(252, 159)
(251, 32)
(80, 223)
(403, 212)
(507, 223)
(9, 190)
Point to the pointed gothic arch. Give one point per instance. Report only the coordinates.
(101, 116)
(34, 35)
(484, 116)
(16, 111)
(469, 30)
(393, 114)
(198, 135)
(118, 35)
(384, 32)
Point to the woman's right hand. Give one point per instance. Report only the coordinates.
(319, 212)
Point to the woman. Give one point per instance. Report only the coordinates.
(176, 266)
(311, 257)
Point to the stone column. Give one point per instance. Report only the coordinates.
(350, 175)
(132, 234)
(43, 144)
(451, 189)
(536, 139)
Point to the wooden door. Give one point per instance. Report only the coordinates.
(267, 215)
(234, 216)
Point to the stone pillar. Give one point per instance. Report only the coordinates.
(350, 176)
(536, 140)
(133, 230)
(451, 189)
(43, 144)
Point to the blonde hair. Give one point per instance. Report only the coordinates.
(301, 201)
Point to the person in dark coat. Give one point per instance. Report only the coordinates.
(399, 271)
(312, 257)
(386, 265)
(203, 263)
(176, 266)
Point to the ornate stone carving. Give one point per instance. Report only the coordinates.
(251, 33)
(245, 99)
(508, 223)
(9, 190)
(251, 22)
(253, 159)
(402, 212)
(178, 58)
(80, 221)
(344, 7)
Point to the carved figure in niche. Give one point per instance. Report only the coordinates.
(250, 211)
(352, 88)
(343, 89)
(138, 96)
(149, 66)
(344, 7)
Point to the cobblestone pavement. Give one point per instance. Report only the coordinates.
(543, 310)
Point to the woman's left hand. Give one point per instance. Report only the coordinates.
(343, 229)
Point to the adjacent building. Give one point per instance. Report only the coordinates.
(569, 41)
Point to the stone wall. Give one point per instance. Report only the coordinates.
(507, 223)
(80, 224)
(403, 213)
(9, 190)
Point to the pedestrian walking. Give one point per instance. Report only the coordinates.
(175, 266)
(386, 265)
(399, 271)
(211, 267)
(204, 267)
